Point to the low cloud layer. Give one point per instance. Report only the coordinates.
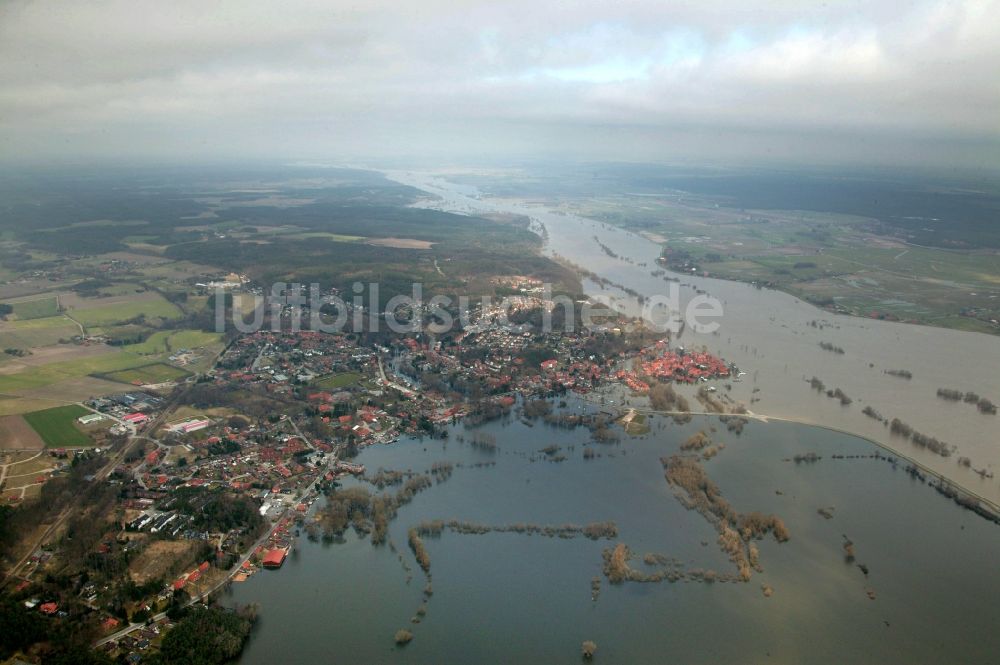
(877, 82)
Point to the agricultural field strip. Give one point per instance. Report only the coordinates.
(45, 375)
(57, 426)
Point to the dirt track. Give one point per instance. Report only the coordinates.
(400, 243)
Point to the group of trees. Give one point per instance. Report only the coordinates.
(663, 397)
(206, 636)
(984, 405)
(708, 401)
(54, 495)
(736, 530)
(697, 441)
(872, 413)
(419, 551)
(253, 401)
(218, 510)
(19, 627)
(839, 394)
(537, 408)
(56, 641)
(344, 507)
(900, 428)
(372, 513)
(484, 441)
(616, 563)
(593, 530)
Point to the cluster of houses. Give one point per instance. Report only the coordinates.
(495, 361)
(268, 459)
(682, 365)
(280, 360)
(191, 577)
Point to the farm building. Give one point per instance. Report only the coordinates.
(192, 425)
(90, 418)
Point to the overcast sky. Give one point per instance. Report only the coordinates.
(914, 83)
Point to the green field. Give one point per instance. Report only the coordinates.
(152, 373)
(111, 314)
(336, 381)
(36, 332)
(836, 261)
(57, 426)
(169, 341)
(45, 375)
(36, 309)
(121, 289)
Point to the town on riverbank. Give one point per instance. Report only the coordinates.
(208, 481)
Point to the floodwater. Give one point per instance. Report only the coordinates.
(770, 336)
(505, 598)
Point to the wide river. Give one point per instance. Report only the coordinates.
(770, 335)
(928, 596)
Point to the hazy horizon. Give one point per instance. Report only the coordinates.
(763, 83)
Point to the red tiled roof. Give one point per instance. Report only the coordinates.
(274, 558)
